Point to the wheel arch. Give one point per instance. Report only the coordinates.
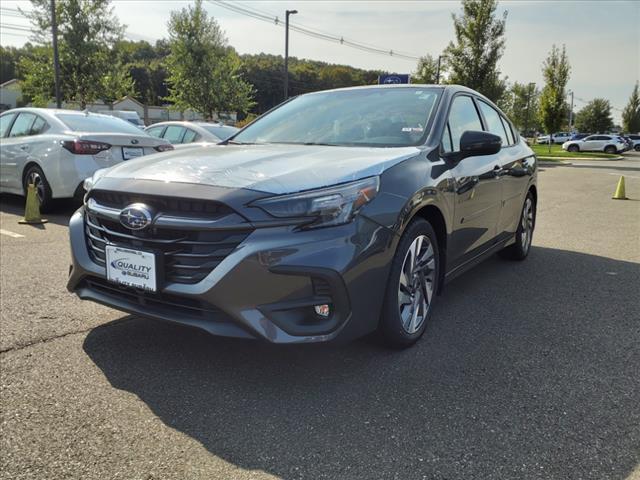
(432, 214)
(30, 163)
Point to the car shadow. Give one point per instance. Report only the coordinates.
(59, 214)
(528, 369)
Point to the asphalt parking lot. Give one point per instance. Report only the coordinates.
(528, 370)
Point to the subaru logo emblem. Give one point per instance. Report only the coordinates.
(135, 141)
(136, 216)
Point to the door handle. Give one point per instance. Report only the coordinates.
(24, 147)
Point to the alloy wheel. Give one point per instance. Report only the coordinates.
(417, 281)
(527, 224)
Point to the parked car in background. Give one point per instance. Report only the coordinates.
(596, 143)
(557, 138)
(56, 150)
(338, 213)
(128, 115)
(181, 134)
(579, 136)
(635, 139)
(628, 142)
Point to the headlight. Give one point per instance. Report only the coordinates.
(324, 207)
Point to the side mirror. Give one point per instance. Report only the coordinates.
(475, 143)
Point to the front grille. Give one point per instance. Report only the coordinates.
(167, 205)
(167, 303)
(184, 255)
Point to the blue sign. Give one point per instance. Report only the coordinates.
(393, 79)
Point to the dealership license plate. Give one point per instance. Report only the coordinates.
(132, 152)
(132, 268)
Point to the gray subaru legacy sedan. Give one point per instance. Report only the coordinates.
(336, 214)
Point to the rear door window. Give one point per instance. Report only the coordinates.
(507, 127)
(39, 126)
(22, 126)
(494, 123)
(174, 134)
(189, 136)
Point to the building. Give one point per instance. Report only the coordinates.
(11, 97)
(10, 94)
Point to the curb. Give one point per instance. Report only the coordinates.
(588, 159)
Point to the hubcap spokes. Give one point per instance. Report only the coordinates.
(417, 279)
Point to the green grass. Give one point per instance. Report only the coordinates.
(557, 152)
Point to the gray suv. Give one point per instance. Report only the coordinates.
(336, 214)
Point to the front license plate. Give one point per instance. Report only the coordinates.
(132, 152)
(132, 268)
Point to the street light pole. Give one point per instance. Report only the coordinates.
(438, 72)
(286, 52)
(571, 111)
(56, 59)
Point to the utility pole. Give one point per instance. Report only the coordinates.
(56, 58)
(571, 112)
(438, 72)
(286, 52)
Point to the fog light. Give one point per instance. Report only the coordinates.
(322, 310)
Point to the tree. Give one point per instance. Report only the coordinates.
(553, 105)
(427, 70)
(204, 73)
(473, 59)
(631, 112)
(595, 117)
(521, 105)
(87, 34)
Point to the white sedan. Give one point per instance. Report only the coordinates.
(56, 150)
(596, 143)
(183, 134)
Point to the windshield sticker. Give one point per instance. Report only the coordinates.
(413, 129)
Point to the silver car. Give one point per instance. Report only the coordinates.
(56, 150)
(183, 134)
(596, 143)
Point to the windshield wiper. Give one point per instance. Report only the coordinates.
(232, 142)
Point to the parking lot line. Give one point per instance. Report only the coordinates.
(10, 234)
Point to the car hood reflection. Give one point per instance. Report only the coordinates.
(271, 168)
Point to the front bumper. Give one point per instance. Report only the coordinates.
(267, 287)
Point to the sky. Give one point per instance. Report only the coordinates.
(602, 37)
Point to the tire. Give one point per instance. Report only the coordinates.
(35, 175)
(573, 148)
(610, 149)
(405, 313)
(637, 148)
(524, 234)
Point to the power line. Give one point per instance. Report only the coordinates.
(311, 32)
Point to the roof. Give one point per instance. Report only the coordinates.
(9, 83)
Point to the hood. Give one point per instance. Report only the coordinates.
(272, 168)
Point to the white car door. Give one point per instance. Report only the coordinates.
(15, 151)
(590, 143)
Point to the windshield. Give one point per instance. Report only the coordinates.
(378, 117)
(221, 131)
(97, 123)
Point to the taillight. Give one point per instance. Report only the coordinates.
(85, 147)
(163, 148)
